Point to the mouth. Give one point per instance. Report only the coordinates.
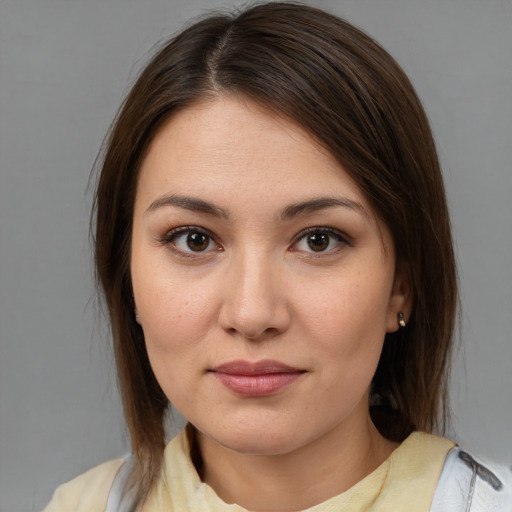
(258, 379)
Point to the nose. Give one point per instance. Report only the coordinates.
(254, 305)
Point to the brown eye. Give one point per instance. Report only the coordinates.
(189, 239)
(321, 239)
(318, 242)
(198, 242)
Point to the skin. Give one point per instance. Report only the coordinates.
(259, 288)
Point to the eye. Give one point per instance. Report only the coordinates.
(190, 239)
(319, 240)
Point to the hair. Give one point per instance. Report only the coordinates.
(346, 91)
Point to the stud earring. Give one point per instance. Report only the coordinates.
(401, 320)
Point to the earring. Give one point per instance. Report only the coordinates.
(401, 320)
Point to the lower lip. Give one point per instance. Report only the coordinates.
(257, 385)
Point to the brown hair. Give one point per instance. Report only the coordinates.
(344, 89)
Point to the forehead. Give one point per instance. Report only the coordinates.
(226, 141)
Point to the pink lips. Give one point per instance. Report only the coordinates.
(258, 379)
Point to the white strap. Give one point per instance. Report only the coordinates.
(117, 502)
(466, 485)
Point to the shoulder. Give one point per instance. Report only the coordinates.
(88, 492)
(471, 484)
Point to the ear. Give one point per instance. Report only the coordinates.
(137, 316)
(401, 299)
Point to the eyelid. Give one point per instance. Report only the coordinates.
(179, 230)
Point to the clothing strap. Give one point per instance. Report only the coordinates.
(117, 500)
(466, 485)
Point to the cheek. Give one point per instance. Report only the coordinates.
(170, 321)
(173, 331)
(348, 308)
(348, 320)
(175, 311)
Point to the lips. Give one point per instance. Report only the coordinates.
(258, 379)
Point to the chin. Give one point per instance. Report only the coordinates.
(257, 439)
(257, 446)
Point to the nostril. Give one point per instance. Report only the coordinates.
(252, 335)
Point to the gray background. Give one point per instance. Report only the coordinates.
(64, 68)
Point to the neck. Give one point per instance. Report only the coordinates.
(294, 481)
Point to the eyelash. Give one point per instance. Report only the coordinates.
(169, 239)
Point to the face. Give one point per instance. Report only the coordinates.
(262, 279)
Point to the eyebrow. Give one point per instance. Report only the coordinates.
(321, 203)
(189, 203)
(293, 210)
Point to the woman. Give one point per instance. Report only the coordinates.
(274, 248)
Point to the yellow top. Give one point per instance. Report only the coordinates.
(405, 481)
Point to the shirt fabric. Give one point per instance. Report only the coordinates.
(406, 481)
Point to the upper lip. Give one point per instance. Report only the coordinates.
(263, 367)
